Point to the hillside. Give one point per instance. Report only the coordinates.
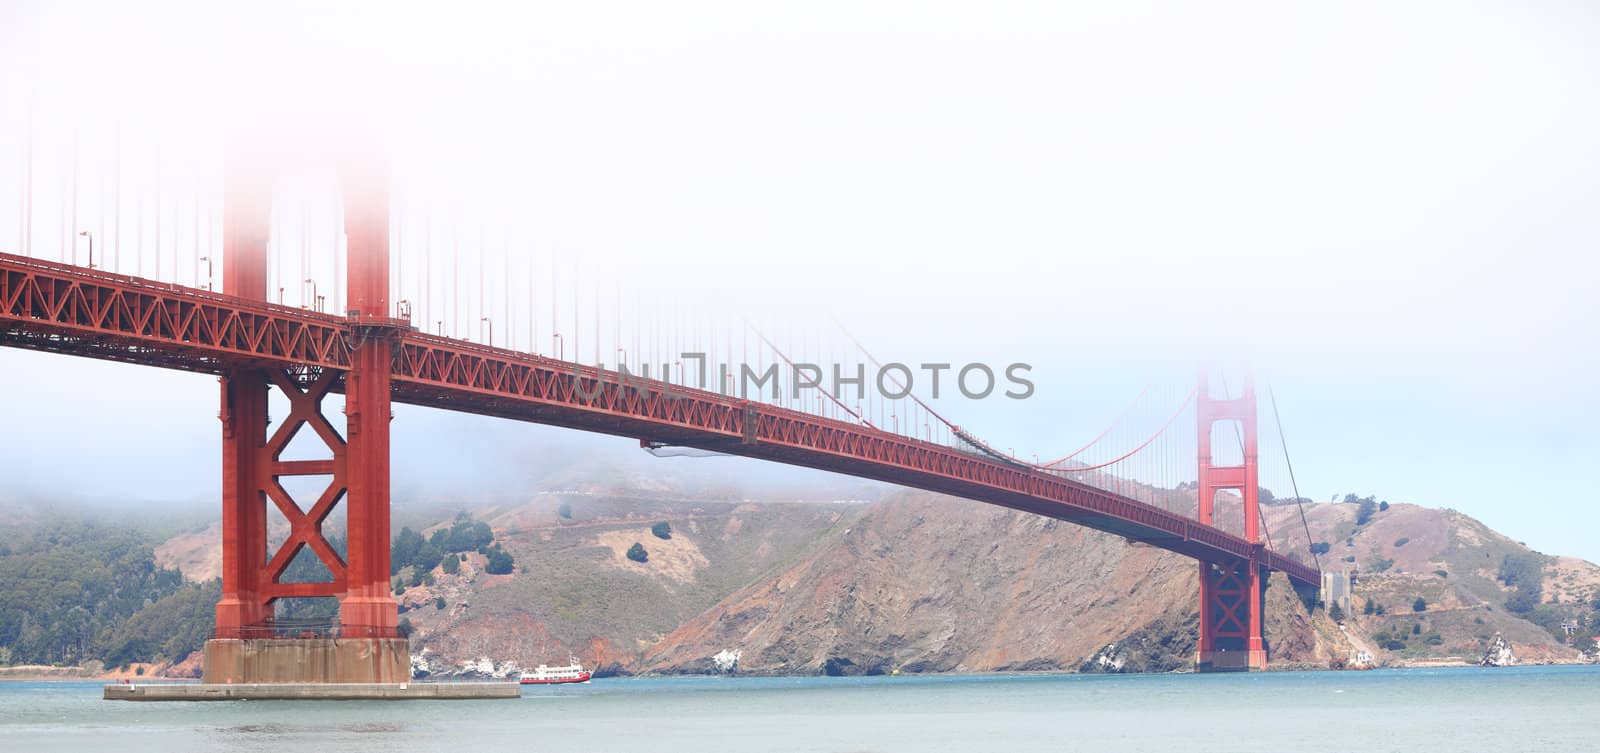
(575, 590)
(926, 583)
(1453, 562)
(915, 582)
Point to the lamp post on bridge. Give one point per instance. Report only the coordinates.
(490, 322)
(314, 296)
(206, 259)
(559, 345)
(90, 236)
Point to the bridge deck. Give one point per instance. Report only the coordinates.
(83, 312)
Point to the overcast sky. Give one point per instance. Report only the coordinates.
(1388, 209)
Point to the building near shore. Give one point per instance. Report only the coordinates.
(1336, 590)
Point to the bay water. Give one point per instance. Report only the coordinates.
(1405, 711)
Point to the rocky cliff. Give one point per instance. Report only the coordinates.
(925, 583)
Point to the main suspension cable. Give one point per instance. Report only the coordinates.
(1298, 500)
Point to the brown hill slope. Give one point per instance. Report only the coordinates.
(1451, 561)
(575, 590)
(921, 582)
(930, 583)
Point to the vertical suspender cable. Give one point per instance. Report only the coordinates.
(116, 205)
(157, 275)
(25, 195)
(72, 229)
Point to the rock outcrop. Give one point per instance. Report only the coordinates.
(1498, 654)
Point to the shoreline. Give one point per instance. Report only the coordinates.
(35, 673)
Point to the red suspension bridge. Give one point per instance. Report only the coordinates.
(1158, 487)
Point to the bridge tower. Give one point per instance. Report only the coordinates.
(248, 645)
(1231, 595)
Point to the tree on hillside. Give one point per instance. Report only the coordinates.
(1364, 513)
(500, 561)
(662, 530)
(1335, 613)
(1420, 605)
(1321, 547)
(1521, 602)
(1525, 573)
(451, 564)
(468, 535)
(565, 510)
(68, 586)
(1383, 506)
(404, 549)
(637, 553)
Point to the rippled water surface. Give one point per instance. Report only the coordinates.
(1406, 711)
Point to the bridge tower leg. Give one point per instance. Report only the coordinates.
(247, 221)
(1231, 594)
(248, 646)
(368, 607)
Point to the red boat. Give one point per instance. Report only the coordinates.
(543, 675)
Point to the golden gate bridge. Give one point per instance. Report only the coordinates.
(221, 277)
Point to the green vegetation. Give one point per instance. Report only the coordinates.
(1381, 564)
(565, 510)
(439, 603)
(443, 549)
(1321, 547)
(1383, 506)
(1335, 613)
(1366, 507)
(69, 586)
(1402, 541)
(1524, 573)
(1420, 605)
(662, 530)
(500, 561)
(637, 553)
